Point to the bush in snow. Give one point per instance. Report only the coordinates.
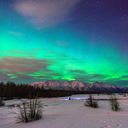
(30, 111)
(114, 103)
(124, 94)
(91, 102)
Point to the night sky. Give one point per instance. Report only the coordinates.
(82, 40)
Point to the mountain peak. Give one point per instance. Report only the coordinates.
(77, 86)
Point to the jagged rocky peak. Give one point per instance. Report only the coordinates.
(76, 85)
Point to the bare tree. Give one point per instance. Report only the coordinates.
(114, 103)
(91, 102)
(30, 111)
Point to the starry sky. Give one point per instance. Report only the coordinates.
(82, 40)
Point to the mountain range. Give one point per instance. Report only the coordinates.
(79, 86)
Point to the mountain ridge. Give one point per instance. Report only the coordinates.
(79, 86)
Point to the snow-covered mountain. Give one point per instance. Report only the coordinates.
(103, 87)
(78, 86)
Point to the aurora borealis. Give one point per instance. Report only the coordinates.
(82, 40)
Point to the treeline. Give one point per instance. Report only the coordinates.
(11, 90)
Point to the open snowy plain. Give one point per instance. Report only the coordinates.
(61, 113)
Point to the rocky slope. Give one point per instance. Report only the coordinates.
(78, 86)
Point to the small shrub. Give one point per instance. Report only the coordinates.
(124, 94)
(114, 103)
(91, 102)
(30, 111)
(1, 102)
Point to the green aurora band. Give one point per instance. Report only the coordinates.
(31, 53)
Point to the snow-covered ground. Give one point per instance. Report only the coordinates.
(60, 113)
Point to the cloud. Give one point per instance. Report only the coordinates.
(18, 52)
(3, 77)
(28, 70)
(46, 12)
(24, 65)
(84, 76)
(63, 44)
(14, 33)
(125, 77)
